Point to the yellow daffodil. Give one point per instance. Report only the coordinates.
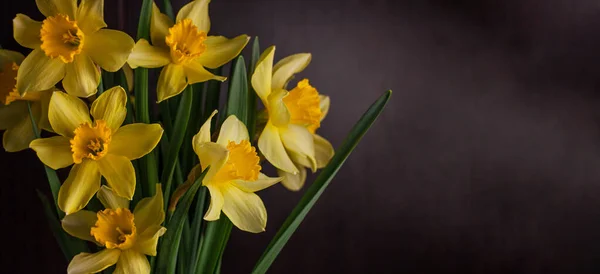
(68, 45)
(288, 140)
(234, 175)
(127, 237)
(98, 148)
(14, 113)
(184, 49)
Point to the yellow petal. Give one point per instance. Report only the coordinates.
(279, 115)
(110, 199)
(323, 151)
(220, 50)
(324, 105)
(147, 56)
(147, 241)
(232, 130)
(293, 182)
(18, 137)
(171, 81)
(66, 113)
(260, 184)
(109, 48)
(85, 263)
(285, 69)
(300, 159)
(196, 73)
(203, 135)
(135, 140)
(81, 185)
(12, 114)
(245, 210)
(44, 104)
(82, 77)
(119, 174)
(271, 146)
(197, 11)
(150, 211)
(216, 203)
(90, 15)
(79, 224)
(299, 140)
(213, 155)
(39, 72)
(111, 107)
(27, 31)
(53, 7)
(159, 26)
(132, 261)
(54, 152)
(261, 79)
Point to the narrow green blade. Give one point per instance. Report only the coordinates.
(69, 245)
(252, 98)
(181, 122)
(237, 103)
(169, 247)
(316, 189)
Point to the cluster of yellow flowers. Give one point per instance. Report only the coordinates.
(71, 46)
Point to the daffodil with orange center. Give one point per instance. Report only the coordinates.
(288, 140)
(101, 147)
(184, 49)
(68, 45)
(234, 175)
(14, 113)
(127, 237)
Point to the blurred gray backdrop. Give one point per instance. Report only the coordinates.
(485, 160)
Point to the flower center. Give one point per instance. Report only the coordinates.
(90, 142)
(185, 41)
(8, 89)
(61, 37)
(115, 228)
(242, 163)
(303, 104)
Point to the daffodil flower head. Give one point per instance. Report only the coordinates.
(184, 49)
(101, 147)
(67, 46)
(14, 113)
(127, 236)
(288, 140)
(234, 175)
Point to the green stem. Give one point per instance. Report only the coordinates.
(181, 121)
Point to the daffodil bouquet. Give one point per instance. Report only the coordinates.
(156, 185)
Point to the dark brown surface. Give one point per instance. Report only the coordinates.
(485, 161)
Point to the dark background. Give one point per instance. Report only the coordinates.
(485, 161)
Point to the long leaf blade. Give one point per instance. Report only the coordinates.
(316, 189)
(167, 258)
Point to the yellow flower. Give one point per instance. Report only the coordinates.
(68, 45)
(128, 237)
(14, 114)
(234, 175)
(184, 49)
(101, 147)
(288, 140)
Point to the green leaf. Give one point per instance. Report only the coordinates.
(252, 98)
(169, 9)
(211, 101)
(179, 128)
(69, 245)
(169, 247)
(213, 245)
(237, 102)
(196, 228)
(316, 189)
